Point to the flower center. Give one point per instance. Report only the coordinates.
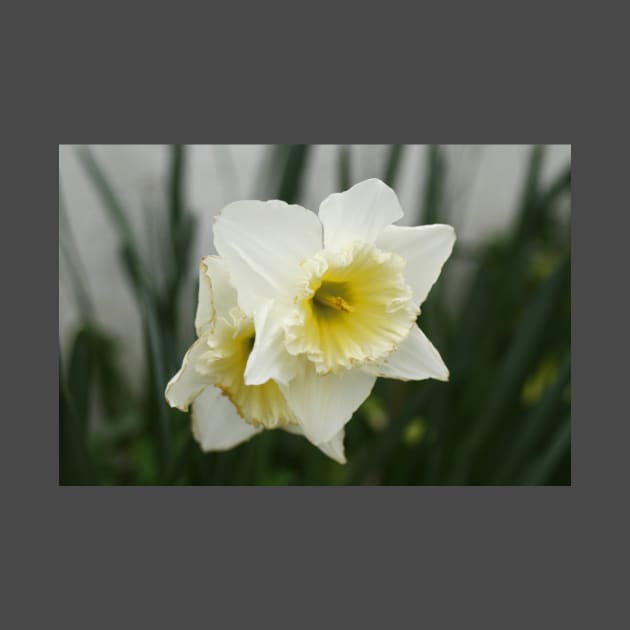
(330, 297)
(230, 344)
(352, 308)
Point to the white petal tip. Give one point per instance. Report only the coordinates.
(371, 181)
(170, 402)
(446, 229)
(442, 373)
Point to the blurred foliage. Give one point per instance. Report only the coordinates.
(503, 418)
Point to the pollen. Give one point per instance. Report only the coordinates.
(325, 296)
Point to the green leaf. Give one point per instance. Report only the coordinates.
(185, 454)
(158, 380)
(176, 190)
(110, 199)
(531, 210)
(519, 359)
(292, 179)
(181, 227)
(80, 377)
(392, 165)
(115, 395)
(539, 420)
(74, 461)
(560, 185)
(542, 469)
(344, 167)
(157, 335)
(435, 181)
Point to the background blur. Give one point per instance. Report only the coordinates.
(134, 222)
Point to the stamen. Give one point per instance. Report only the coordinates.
(334, 301)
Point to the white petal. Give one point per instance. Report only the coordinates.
(415, 359)
(223, 292)
(333, 449)
(263, 244)
(216, 424)
(324, 404)
(187, 384)
(216, 295)
(205, 307)
(425, 248)
(358, 214)
(269, 358)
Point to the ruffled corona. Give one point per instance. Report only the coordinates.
(223, 365)
(353, 308)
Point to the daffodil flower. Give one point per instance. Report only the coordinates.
(333, 299)
(225, 410)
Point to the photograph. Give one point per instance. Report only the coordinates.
(315, 315)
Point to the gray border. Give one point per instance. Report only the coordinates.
(300, 557)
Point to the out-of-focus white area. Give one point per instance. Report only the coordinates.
(484, 183)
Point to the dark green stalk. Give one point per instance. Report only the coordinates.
(531, 211)
(110, 199)
(392, 165)
(74, 461)
(539, 419)
(344, 167)
(181, 225)
(541, 471)
(157, 365)
(292, 180)
(434, 185)
(180, 237)
(176, 201)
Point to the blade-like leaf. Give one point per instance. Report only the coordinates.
(109, 197)
(80, 376)
(392, 165)
(530, 210)
(541, 470)
(292, 180)
(344, 167)
(434, 185)
(181, 224)
(537, 422)
(176, 191)
(74, 460)
(518, 361)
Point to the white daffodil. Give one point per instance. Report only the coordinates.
(334, 299)
(225, 410)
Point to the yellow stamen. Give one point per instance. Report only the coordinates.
(334, 301)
